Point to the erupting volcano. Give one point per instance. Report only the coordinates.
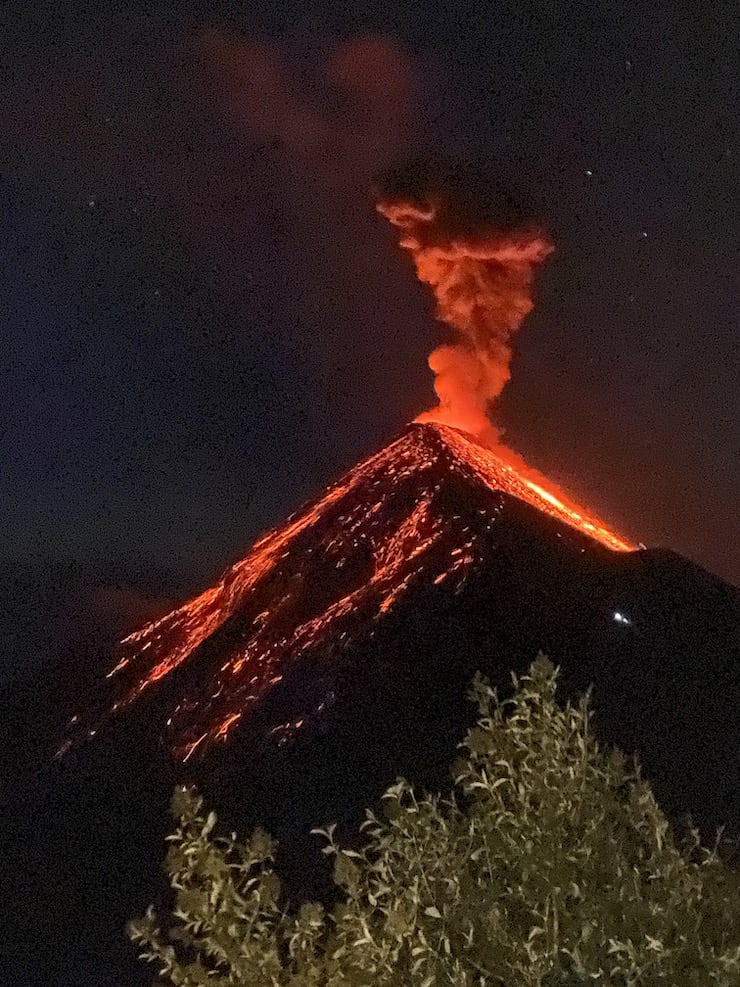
(420, 516)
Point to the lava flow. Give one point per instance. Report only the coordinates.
(344, 562)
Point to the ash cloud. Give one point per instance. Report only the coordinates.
(478, 250)
(346, 107)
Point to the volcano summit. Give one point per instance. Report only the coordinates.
(422, 515)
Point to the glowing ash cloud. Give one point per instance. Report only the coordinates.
(344, 110)
(480, 259)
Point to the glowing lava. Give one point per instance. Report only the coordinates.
(310, 588)
(503, 470)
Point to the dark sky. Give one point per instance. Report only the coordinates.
(205, 321)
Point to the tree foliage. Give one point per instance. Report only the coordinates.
(551, 866)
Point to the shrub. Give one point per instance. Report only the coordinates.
(550, 865)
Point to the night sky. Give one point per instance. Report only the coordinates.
(205, 321)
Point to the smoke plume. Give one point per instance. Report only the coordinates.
(478, 252)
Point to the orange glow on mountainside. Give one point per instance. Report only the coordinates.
(335, 568)
(505, 471)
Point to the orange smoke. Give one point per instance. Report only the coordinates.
(482, 273)
(479, 252)
(347, 112)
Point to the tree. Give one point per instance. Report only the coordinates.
(550, 865)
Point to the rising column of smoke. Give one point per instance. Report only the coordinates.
(479, 257)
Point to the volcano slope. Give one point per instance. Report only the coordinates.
(337, 655)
